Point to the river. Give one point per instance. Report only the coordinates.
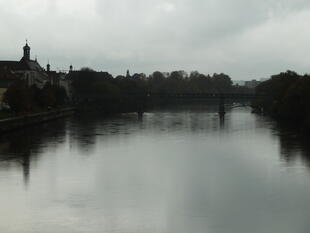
(177, 170)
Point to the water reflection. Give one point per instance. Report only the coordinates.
(176, 170)
(222, 120)
(22, 147)
(294, 145)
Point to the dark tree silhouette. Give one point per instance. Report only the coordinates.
(18, 97)
(286, 96)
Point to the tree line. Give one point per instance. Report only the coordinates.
(91, 83)
(286, 96)
(116, 94)
(129, 93)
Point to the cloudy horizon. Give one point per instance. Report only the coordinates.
(245, 39)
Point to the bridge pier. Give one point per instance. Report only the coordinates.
(140, 114)
(222, 121)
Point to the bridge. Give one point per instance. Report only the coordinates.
(205, 95)
(221, 97)
(139, 102)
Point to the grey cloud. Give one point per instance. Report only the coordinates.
(148, 35)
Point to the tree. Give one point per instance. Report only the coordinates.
(18, 97)
(222, 82)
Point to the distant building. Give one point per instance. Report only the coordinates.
(252, 84)
(60, 79)
(238, 82)
(26, 69)
(54, 76)
(30, 71)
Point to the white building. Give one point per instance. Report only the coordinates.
(252, 84)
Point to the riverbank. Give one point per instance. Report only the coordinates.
(27, 120)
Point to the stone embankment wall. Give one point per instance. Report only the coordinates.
(23, 121)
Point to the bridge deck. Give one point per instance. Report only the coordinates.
(199, 95)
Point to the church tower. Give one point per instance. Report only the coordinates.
(26, 52)
(48, 67)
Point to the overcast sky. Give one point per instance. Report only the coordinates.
(244, 38)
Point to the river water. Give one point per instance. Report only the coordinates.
(178, 170)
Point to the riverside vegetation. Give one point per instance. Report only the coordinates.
(286, 96)
(23, 99)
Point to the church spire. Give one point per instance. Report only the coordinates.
(26, 52)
